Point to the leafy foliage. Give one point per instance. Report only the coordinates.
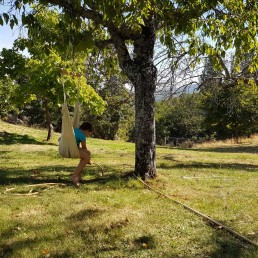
(38, 78)
(227, 23)
(230, 101)
(180, 117)
(6, 92)
(231, 111)
(117, 117)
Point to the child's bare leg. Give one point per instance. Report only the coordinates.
(84, 159)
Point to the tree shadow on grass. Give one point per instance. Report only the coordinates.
(7, 250)
(102, 237)
(11, 245)
(84, 214)
(229, 246)
(4, 152)
(208, 165)
(13, 138)
(61, 174)
(228, 149)
(233, 166)
(37, 176)
(112, 181)
(233, 149)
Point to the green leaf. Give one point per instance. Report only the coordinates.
(15, 20)
(6, 17)
(18, 4)
(23, 18)
(11, 23)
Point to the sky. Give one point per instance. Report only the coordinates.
(7, 36)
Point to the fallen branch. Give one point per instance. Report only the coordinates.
(31, 193)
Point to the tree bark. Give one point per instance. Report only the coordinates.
(145, 145)
(143, 74)
(48, 121)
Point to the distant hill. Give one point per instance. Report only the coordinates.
(190, 89)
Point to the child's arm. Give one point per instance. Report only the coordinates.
(84, 148)
(83, 143)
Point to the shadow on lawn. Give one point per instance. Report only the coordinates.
(228, 149)
(21, 176)
(226, 246)
(230, 247)
(7, 250)
(208, 165)
(233, 149)
(13, 138)
(61, 174)
(11, 247)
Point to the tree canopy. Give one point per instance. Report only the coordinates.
(40, 78)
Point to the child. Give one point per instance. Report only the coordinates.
(81, 133)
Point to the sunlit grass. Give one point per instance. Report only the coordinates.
(116, 215)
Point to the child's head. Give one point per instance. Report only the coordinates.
(86, 127)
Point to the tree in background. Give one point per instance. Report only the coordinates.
(113, 123)
(180, 117)
(6, 91)
(231, 111)
(113, 87)
(120, 24)
(38, 78)
(230, 100)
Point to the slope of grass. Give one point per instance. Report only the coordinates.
(117, 216)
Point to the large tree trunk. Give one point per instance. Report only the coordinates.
(145, 150)
(141, 71)
(145, 85)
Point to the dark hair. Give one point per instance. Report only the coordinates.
(86, 126)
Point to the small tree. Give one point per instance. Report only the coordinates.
(37, 79)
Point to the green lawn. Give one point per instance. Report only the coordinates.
(116, 215)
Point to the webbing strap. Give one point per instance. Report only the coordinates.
(63, 88)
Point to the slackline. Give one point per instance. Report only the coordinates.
(212, 221)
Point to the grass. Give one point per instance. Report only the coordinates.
(116, 215)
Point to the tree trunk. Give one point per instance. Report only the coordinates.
(141, 71)
(145, 85)
(48, 121)
(145, 146)
(50, 131)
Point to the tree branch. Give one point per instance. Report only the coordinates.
(223, 66)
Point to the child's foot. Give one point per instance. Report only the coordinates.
(76, 180)
(80, 177)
